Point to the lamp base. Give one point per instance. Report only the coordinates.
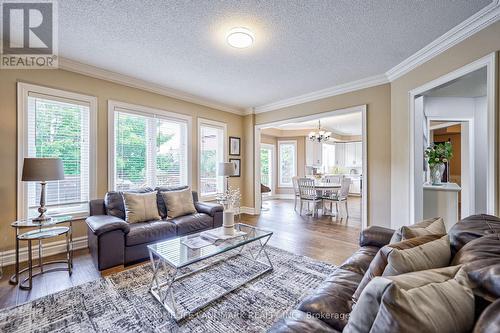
(42, 218)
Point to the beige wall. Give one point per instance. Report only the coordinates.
(103, 90)
(248, 173)
(378, 101)
(471, 49)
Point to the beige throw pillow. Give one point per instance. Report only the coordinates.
(140, 207)
(437, 300)
(415, 254)
(434, 226)
(179, 203)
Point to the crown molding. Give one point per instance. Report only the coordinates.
(103, 74)
(324, 93)
(483, 18)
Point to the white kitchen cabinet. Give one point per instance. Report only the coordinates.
(314, 153)
(355, 187)
(353, 154)
(340, 154)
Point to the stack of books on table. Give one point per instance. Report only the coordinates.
(211, 237)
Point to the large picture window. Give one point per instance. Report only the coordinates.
(56, 123)
(148, 146)
(212, 138)
(287, 162)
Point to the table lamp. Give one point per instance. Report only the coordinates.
(42, 170)
(225, 170)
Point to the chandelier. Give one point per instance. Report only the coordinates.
(321, 135)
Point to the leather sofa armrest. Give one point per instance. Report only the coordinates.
(100, 224)
(375, 236)
(208, 208)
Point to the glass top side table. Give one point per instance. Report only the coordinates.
(39, 232)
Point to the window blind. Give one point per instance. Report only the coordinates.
(287, 161)
(150, 150)
(211, 154)
(58, 127)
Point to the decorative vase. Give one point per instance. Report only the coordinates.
(437, 171)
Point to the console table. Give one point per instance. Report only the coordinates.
(42, 230)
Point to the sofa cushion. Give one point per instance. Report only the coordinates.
(148, 232)
(434, 226)
(481, 261)
(179, 203)
(162, 208)
(113, 201)
(437, 300)
(332, 300)
(299, 322)
(360, 260)
(189, 224)
(379, 263)
(490, 319)
(470, 228)
(140, 207)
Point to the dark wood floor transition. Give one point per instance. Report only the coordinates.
(324, 238)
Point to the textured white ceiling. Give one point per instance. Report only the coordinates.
(344, 124)
(301, 45)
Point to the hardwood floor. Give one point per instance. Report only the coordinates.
(328, 239)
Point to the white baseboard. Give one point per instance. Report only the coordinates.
(49, 249)
(248, 210)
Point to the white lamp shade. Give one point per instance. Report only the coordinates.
(226, 169)
(42, 169)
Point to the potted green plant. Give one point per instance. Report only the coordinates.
(437, 155)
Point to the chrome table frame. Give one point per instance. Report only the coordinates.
(163, 292)
(15, 278)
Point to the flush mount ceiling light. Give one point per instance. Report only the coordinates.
(240, 38)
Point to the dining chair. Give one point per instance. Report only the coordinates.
(296, 193)
(339, 196)
(308, 193)
(332, 179)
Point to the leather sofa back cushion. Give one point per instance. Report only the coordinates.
(179, 203)
(434, 226)
(113, 201)
(481, 260)
(161, 203)
(472, 227)
(415, 254)
(437, 300)
(140, 207)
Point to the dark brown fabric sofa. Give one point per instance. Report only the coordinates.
(112, 241)
(475, 243)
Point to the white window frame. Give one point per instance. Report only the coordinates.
(23, 90)
(114, 106)
(218, 125)
(273, 168)
(294, 173)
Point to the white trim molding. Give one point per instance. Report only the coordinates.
(129, 81)
(49, 249)
(488, 62)
(248, 210)
(324, 93)
(483, 18)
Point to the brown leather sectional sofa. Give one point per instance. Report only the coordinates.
(478, 237)
(112, 241)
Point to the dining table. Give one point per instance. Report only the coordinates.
(322, 187)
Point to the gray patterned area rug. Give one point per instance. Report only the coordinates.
(121, 302)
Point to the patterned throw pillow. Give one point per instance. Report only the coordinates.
(179, 203)
(436, 300)
(434, 226)
(140, 207)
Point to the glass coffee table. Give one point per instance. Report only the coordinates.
(169, 259)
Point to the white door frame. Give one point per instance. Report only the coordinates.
(489, 62)
(257, 144)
